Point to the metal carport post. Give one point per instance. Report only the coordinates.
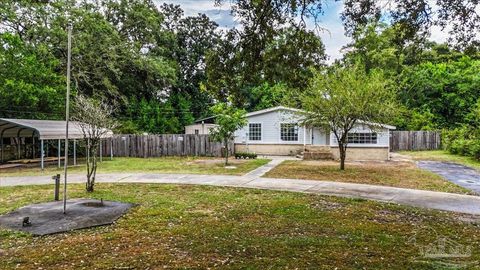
(74, 152)
(42, 153)
(59, 153)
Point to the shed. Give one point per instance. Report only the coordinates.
(41, 130)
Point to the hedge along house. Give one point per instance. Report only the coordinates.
(35, 133)
(277, 131)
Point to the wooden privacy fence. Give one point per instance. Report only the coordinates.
(415, 140)
(163, 145)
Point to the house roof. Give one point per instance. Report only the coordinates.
(283, 108)
(206, 120)
(274, 109)
(43, 129)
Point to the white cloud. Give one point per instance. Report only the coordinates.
(193, 7)
(334, 34)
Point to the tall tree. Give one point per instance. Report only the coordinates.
(417, 17)
(447, 90)
(29, 84)
(195, 36)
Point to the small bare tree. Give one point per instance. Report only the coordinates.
(342, 97)
(94, 118)
(228, 120)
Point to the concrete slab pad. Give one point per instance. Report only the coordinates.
(48, 218)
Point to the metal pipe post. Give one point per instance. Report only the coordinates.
(59, 153)
(67, 116)
(42, 154)
(74, 152)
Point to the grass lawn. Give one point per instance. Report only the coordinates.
(196, 165)
(442, 155)
(198, 227)
(398, 174)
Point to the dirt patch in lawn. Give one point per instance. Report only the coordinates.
(388, 173)
(215, 161)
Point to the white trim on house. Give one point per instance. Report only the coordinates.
(273, 109)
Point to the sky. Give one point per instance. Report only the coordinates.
(333, 37)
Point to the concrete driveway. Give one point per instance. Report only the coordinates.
(461, 175)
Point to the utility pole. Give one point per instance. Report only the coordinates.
(67, 117)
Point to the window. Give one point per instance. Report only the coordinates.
(362, 138)
(255, 132)
(288, 132)
(196, 132)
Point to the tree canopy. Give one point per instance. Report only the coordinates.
(340, 98)
(163, 69)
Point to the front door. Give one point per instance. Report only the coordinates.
(319, 137)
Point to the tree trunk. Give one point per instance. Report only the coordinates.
(226, 152)
(343, 154)
(91, 165)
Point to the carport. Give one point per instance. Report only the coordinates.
(42, 130)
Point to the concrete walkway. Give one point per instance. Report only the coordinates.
(461, 175)
(419, 198)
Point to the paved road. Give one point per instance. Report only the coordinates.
(461, 175)
(419, 198)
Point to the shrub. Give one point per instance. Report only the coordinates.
(244, 155)
(462, 141)
(475, 149)
(453, 139)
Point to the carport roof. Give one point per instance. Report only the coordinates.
(42, 129)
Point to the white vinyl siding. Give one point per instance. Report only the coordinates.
(271, 132)
(270, 128)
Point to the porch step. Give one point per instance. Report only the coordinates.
(317, 156)
(317, 153)
(317, 148)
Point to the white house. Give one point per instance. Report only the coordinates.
(276, 131)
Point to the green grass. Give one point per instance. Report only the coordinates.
(194, 227)
(404, 175)
(195, 165)
(442, 155)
